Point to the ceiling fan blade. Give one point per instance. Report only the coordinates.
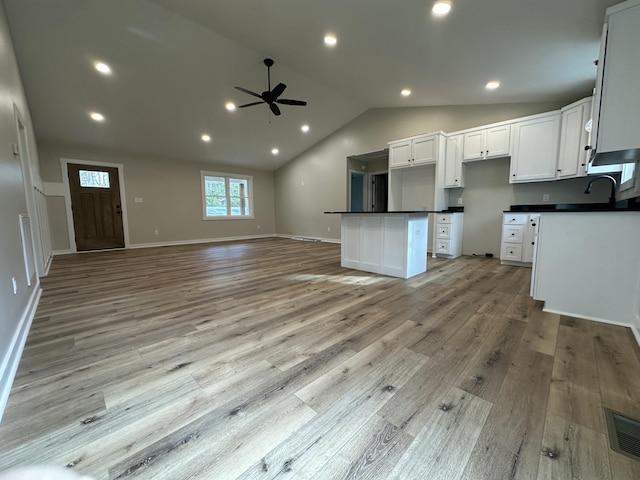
(286, 101)
(248, 91)
(277, 90)
(274, 108)
(250, 104)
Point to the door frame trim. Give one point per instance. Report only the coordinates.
(64, 162)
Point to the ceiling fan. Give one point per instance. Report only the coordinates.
(271, 97)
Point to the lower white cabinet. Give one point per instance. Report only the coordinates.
(448, 235)
(518, 238)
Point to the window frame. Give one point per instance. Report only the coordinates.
(628, 176)
(227, 177)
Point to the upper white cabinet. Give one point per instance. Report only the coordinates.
(487, 142)
(616, 120)
(574, 152)
(534, 143)
(453, 167)
(419, 150)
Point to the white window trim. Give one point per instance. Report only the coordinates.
(249, 179)
(629, 183)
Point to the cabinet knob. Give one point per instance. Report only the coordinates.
(513, 175)
(533, 224)
(587, 148)
(559, 170)
(533, 243)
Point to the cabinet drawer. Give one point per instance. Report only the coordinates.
(515, 218)
(444, 218)
(444, 230)
(512, 233)
(511, 252)
(443, 246)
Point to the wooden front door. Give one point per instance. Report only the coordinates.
(96, 206)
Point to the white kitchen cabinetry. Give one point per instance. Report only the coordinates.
(518, 238)
(534, 142)
(616, 119)
(453, 166)
(488, 142)
(573, 158)
(587, 266)
(420, 150)
(448, 241)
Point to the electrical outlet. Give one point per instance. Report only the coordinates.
(258, 227)
(459, 200)
(155, 232)
(328, 229)
(15, 285)
(545, 197)
(302, 183)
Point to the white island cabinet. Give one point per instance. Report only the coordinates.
(587, 265)
(392, 243)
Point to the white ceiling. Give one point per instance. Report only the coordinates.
(175, 63)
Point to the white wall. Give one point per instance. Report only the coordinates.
(171, 194)
(15, 309)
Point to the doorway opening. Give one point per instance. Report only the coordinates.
(358, 192)
(379, 191)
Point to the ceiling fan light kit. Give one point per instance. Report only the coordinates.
(271, 97)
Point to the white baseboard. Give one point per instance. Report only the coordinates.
(175, 242)
(634, 330)
(199, 240)
(10, 362)
(304, 237)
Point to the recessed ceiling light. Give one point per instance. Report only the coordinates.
(205, 138)
(406, 92)
(275, 151)
(330, 40)
(102, 68)
(305, 128)
(441, 8)
(230, 106)
(98, 117)
(493, 85)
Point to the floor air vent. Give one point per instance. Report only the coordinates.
(624, 434)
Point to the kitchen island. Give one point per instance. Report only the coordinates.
(586, 261)
(389, 243)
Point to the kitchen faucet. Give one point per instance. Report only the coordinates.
(612, 198)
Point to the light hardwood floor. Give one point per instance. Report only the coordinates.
(265, 359)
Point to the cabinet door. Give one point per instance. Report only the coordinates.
(497, 141)
(535, 149)
(529, 237)
(473, 147)
(424, 149)
(400, 154)
(453, 163)
(619, 116)
(572, 158)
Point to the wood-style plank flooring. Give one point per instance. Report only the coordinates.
(265, 359)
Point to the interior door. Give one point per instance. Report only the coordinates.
(96, 206)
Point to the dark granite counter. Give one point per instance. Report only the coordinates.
(629, 205)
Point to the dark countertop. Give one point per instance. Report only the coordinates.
(628, 205)
(385, 213)
(456, 209)
(449, 210)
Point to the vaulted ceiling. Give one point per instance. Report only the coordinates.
(175, 64)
